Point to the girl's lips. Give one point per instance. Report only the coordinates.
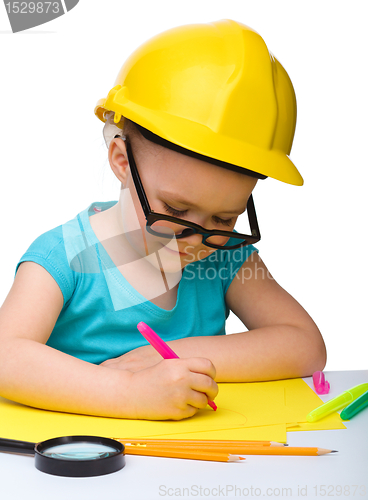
(174, 252)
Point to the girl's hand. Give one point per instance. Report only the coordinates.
(173, 388)
(136, 360)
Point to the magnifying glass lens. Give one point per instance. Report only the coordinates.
(79, 451)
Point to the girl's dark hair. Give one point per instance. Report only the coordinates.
(130, 129)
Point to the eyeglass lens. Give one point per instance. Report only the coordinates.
(171, 230)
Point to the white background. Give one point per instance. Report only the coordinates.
(53, 158)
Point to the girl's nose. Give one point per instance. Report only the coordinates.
(192, 240)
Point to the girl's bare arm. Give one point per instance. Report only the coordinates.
(37, 375)
(282, 342)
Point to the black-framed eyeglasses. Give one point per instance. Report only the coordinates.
(213, 238)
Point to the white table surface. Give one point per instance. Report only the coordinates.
(339, 475)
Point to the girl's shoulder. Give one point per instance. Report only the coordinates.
(66, 241)
(55, 249)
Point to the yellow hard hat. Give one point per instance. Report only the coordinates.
(215, 90)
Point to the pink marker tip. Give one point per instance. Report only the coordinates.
(212, 404)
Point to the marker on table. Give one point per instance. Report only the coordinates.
(355, 407)
(162, 348)
(320, 383)
(337, 403)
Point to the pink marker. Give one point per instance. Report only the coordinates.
(320, 384)
(161, 347)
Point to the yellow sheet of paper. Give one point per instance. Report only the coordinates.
(261, 403)
(234, 401)
(246, 409)
(239, 406)
(31, 424)
(264, 433)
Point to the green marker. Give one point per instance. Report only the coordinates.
(337, 403)
(355, 407)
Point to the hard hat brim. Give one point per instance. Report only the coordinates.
(201, 139)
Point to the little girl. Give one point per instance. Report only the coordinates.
(197, 116)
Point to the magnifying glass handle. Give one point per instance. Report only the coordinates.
(13, 446)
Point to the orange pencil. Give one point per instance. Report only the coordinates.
(287, 450)
(196, 442)
(212, 448)
(189, 454)
(236, 449)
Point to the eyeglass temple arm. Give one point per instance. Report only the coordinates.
(253, 218)
(137, 181)
(146, 206)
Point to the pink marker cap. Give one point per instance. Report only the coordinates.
(320, 384)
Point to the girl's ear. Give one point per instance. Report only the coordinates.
(118, 159)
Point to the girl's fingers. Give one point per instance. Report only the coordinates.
(205, 385)
(201, 365)
(197, 400)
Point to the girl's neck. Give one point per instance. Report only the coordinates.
(142, 275)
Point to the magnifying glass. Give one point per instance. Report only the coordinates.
(72, 456)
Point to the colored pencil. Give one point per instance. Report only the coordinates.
(214, 449)
(186, 454)
(290, 450)
(209, 442)
(242, 450)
